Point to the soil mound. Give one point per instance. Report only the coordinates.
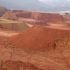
(38, 38)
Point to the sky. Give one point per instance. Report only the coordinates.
(37, 5)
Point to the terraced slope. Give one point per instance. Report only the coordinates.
(2, 11)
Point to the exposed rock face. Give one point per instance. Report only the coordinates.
(10, 15)
(39, 17)
(2, 10)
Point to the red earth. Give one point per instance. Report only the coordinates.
(45, 48)
(38, 37)
(14, 65)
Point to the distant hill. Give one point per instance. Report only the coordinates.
(2, 10)
(33, 17)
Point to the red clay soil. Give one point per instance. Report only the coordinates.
(14, 65)
(53, 43)
(39, 38)
(3, 40)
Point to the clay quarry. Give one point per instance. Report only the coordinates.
(34, 41)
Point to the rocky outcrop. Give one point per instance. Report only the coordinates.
(39, 17)
(9, 15)
(2, 11)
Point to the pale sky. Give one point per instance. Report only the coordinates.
(37, 5)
